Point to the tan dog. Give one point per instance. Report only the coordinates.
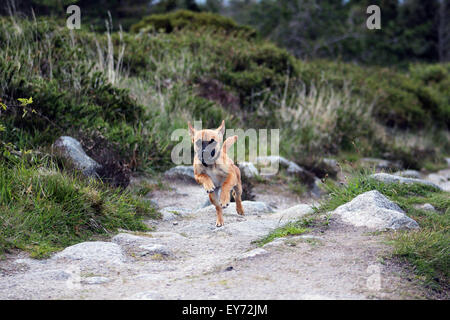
(215, 170)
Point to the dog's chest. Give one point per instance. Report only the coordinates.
(217, 175)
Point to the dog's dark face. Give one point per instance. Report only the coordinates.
(207, 143)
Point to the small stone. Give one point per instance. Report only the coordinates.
(175, 223)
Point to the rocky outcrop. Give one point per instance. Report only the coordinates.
(390, 178)
(374, 211)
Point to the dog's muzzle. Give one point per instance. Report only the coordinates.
(207, 152)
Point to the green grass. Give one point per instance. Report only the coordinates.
(43, 210)
(427, 249)
(290, 229)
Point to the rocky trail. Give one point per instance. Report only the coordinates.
(187, 257)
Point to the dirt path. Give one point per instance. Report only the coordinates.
(187, 257)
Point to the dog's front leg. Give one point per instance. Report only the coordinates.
(205, 181)
(227, 185)
(213, 198)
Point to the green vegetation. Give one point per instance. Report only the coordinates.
(135, 89)
(427, 249)
(44, 210)
(290, 229)
(184, 19)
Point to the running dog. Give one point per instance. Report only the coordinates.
(214, 170)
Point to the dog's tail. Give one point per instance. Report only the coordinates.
(228, 143)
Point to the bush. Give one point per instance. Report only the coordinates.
(184, 19)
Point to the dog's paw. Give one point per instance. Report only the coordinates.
(224, 203)
(219, 224)
(210, 189)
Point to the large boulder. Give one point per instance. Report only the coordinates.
(93, 251)
(248, 169)
(390, 178)
(293, 213)
(408, 174)
(71, 149)
(374, 211)
(181, 172)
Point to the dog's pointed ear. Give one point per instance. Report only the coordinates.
(191, 130)
(221, 129)
(228, 143)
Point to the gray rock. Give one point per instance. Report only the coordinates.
(248, 169)
(95, 280)
(382, 164)
(250, 208)
(155, 249)
(293, 213)
(253, 254)
(95, 251)
(332, 163)
(127, 239)
(71, 148)
(316, 188)
(390, 178)
(374, 211)
(427, 206)
(448, 161)
(181, 172)
(436, 178)
(275, 162)
(408, 174)
(446, 186)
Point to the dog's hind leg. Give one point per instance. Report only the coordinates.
(237, 192)
(213, 198)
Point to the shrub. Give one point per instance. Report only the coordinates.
(184, 19)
